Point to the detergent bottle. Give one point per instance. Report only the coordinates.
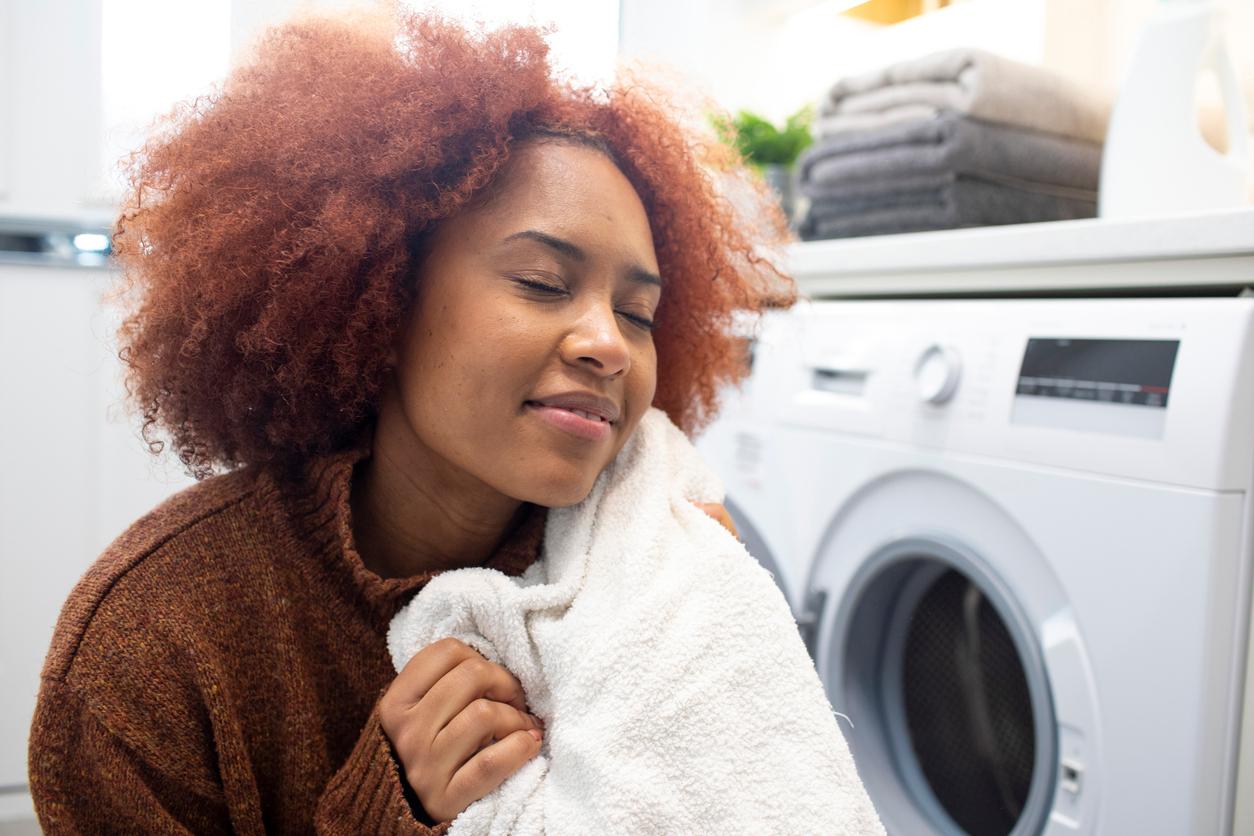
(1155, 160)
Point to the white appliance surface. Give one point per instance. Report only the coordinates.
(1084, 466)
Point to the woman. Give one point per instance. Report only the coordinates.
(408, 291)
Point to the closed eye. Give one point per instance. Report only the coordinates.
(646, 324)
(540, 286)
(543, 287)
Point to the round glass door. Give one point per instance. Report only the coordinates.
(955, 731)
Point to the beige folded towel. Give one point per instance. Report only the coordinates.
(969, 81)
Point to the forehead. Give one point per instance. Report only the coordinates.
(559, 167)
(565, 189)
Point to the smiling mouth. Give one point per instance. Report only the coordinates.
(575, 422)
(590, 416)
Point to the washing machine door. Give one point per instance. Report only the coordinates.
(932, 652)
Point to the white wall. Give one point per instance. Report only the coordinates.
(773, 62)
(584, 42)
(767, 56)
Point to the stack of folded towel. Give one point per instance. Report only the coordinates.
(958, 138)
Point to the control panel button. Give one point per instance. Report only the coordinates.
(936, 374)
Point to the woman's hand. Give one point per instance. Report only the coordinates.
(719, 513)
(459, 725)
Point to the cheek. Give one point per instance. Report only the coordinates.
(430, 376)
(641, 387)
(469, 369)
(645, 386)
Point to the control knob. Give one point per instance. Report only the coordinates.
(936, 374)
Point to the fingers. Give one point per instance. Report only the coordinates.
(431, 664)
(426, 668)
(459, 725)
(491, 766)
(471, 680)
(422, 671)
(478, 725)
(434, 686)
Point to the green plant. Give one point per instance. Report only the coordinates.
(762, 143)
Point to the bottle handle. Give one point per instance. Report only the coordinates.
(1234, 105)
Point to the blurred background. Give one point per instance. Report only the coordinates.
(77, 89)
(82, 80)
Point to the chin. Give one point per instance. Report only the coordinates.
(561, 497)
(559, 491)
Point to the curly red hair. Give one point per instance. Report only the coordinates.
(270, 234)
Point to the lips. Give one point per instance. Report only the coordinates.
(578, 413)
(587, 405)
(590, 416)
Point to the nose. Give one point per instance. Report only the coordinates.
(595, 340)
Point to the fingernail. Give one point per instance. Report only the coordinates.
(534, 733)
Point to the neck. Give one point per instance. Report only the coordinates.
(413, 513)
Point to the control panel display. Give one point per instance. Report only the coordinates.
(1111, 371)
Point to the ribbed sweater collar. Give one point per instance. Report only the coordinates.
(318, 508)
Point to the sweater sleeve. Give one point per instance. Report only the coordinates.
(368, 794)
(84, 779)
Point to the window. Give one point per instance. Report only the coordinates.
(154, 53)
(585, 40)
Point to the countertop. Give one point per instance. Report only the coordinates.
(1206, 251)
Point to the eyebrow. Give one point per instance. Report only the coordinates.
(575, 253)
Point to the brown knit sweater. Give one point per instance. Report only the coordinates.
(217, 670)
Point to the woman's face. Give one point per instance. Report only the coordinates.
(537, 298)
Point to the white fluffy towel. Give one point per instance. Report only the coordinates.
(676, 692)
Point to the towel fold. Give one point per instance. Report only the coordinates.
(846, 123)
(946, 201)
(950, 143)
(676, 692)
(969, 81)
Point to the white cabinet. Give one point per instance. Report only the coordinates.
(73, 472)
(49, 107)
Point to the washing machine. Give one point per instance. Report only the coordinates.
(742, 447)
(1016, 533)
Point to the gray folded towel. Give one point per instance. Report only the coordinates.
(950, 201)
(949, 143)
(930, 189)
(846, 123)
(970, 81)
